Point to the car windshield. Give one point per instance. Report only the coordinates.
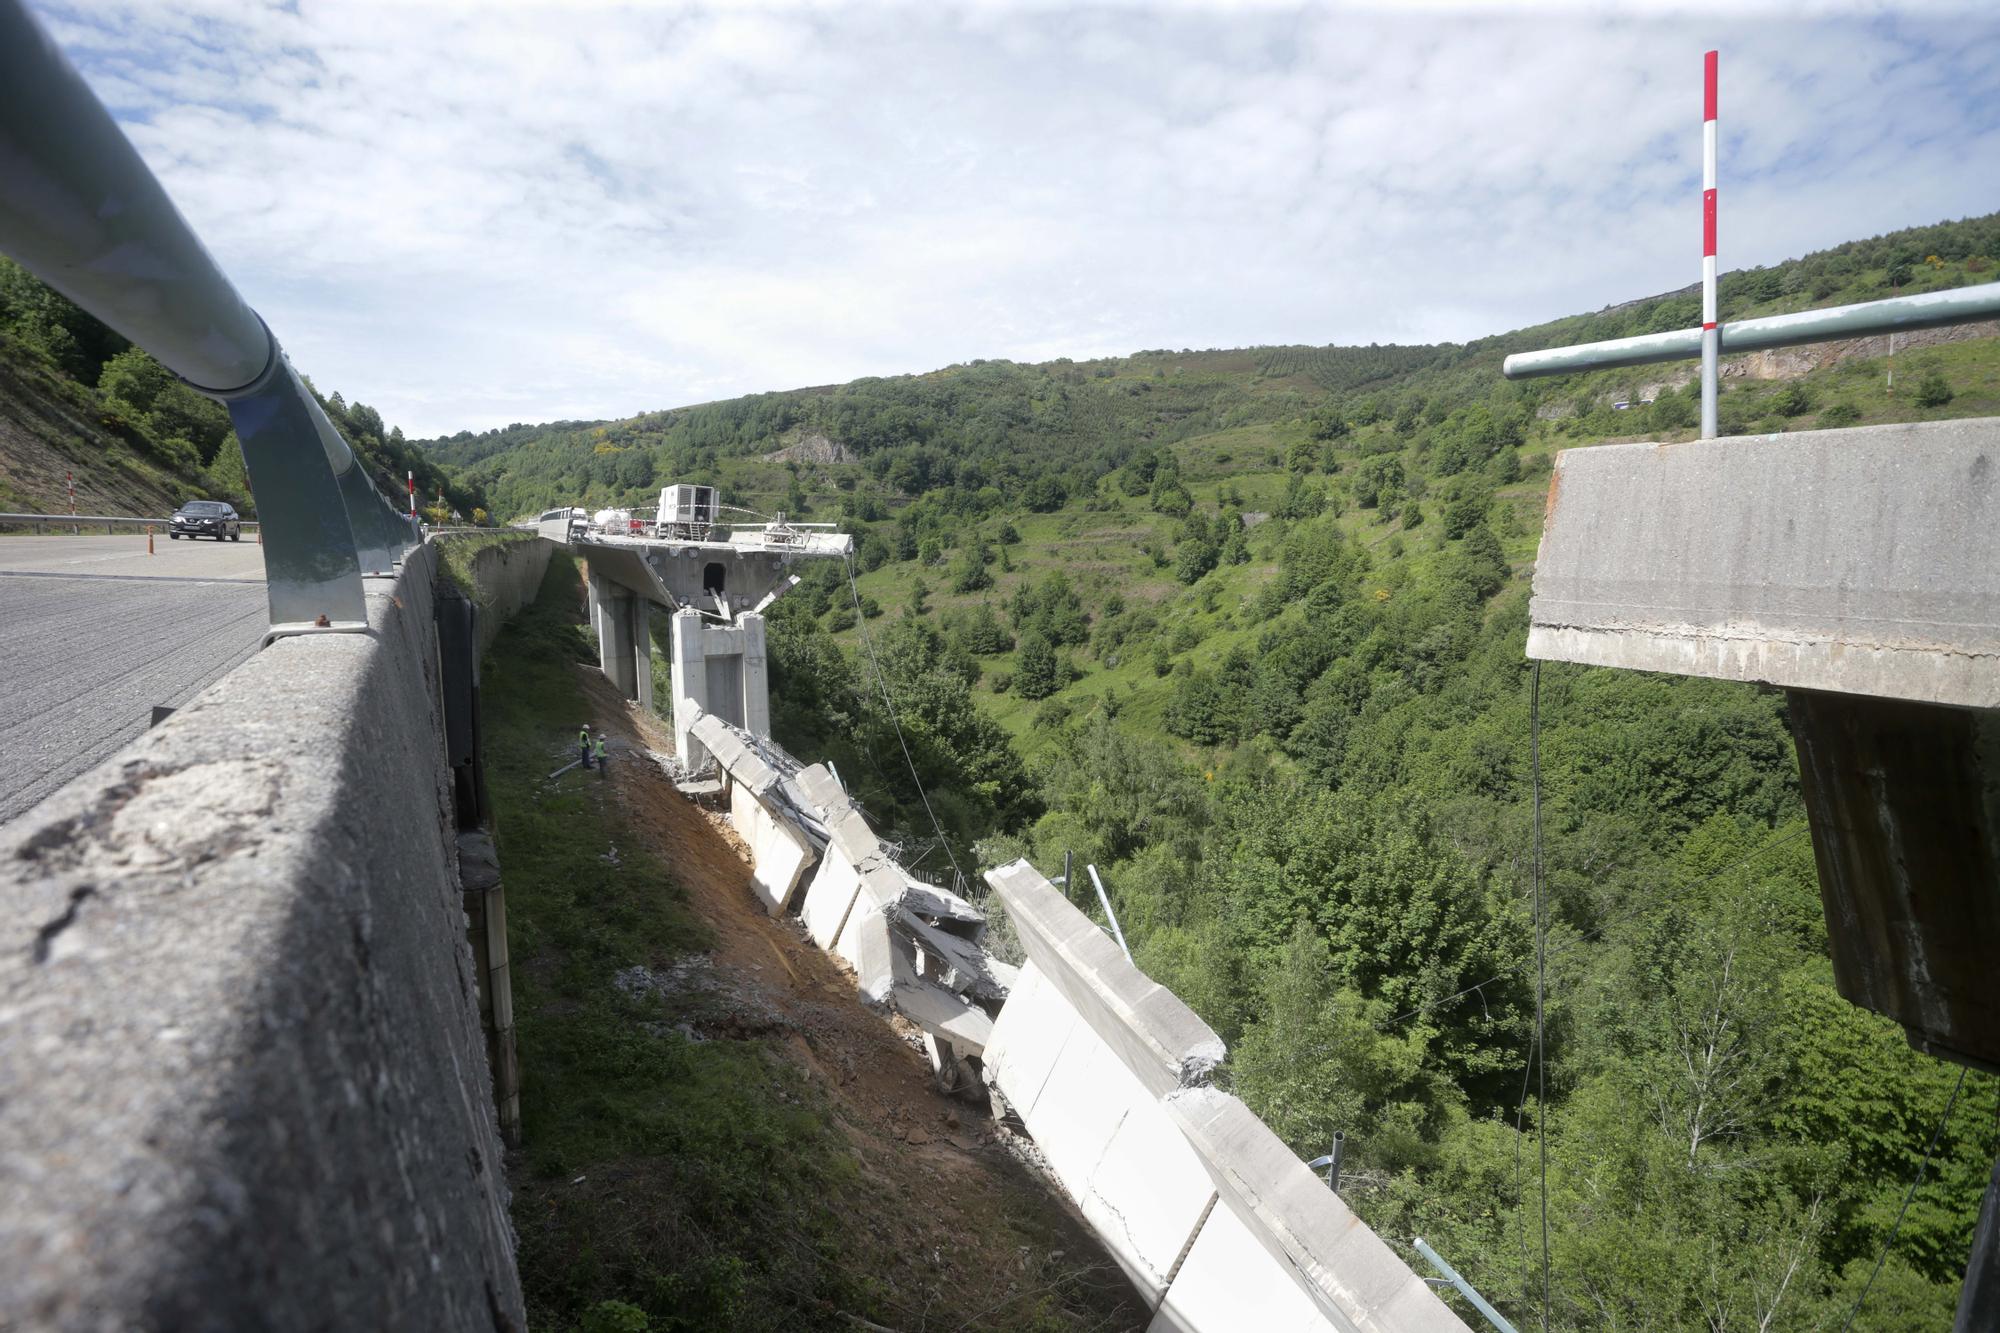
(204, 507)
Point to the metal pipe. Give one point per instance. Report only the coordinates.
(1109, 915)
(1711, 340)
(1866, 319)
(1331, 1162)
(1465, 1288)
(82, 213)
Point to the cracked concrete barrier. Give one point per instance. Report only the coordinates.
(242, 1078)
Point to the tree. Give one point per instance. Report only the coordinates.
(968, 572)
(1035, 670)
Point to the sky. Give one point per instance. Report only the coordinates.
(471, 214)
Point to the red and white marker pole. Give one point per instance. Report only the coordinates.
(69, 480)
(1711, 333)
(413, 495)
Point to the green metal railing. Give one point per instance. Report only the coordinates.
(82, 212)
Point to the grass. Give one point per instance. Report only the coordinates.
(458, 551)
(690, 1181)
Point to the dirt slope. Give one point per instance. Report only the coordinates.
(49, 426)
(963, 1231)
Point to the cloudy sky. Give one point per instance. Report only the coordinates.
(472, 214)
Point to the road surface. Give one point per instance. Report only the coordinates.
(94, 632)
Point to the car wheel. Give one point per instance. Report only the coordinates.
(236, 536)
(173, 536)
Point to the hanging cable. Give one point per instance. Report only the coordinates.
(882, 684)
(1541, 975)
(1922, 1168)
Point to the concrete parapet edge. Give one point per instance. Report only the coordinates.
(244, 1077)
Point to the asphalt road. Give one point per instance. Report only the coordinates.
(94, 632)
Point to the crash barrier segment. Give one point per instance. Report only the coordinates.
(1210, 1216)
(82, 212)
(243, 1081)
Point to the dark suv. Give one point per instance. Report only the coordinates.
(205, 518)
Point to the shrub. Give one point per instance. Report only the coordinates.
(1934, 390)
(1835, 415)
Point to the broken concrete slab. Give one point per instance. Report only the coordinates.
(1162, 1041)
(835, 889)
(1102, 1132)
(1860, 561)
(1305, 1228)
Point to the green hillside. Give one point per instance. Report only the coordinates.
(76, 398)
(1244, 629)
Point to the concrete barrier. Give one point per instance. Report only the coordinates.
(505, 577)
(242, 1076)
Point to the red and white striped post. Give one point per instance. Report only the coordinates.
(1711, 333)
(413, 495)
(69, 480)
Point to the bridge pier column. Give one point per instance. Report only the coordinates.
(642, 652)
(1904, 799)
(614, 641)
(756, 677)
(690, 685)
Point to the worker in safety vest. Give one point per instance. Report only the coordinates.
(597, 749)
(583, 745)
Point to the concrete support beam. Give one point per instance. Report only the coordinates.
(690, 683)
(614, 645)
(1339, 1264)
(1904, 800)
(756, 677)
(1863, 561)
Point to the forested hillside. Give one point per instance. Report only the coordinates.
(1245, 630)
(77, 398)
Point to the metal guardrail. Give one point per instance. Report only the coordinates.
(44, 522)
(1898, 314)
(82, 212)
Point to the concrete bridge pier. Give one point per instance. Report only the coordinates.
(622, 620)
(718, 669)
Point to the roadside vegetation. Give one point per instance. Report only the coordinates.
(664, 1183)
(1245, 630)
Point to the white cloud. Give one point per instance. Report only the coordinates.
(470, 214)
